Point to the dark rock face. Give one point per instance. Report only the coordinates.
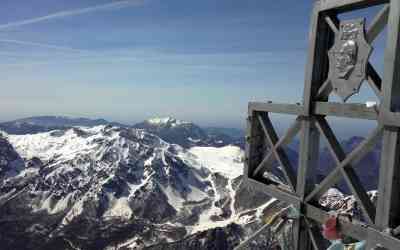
(79, 192)
(147, 205)
(101, 187)
(246, 198)
(10, 161)
(187, 134)
(173, 131)
(213, 239)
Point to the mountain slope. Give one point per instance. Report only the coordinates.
(39, 124)
(99, 187)
(187, 134)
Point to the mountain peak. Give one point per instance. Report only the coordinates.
(159, 121)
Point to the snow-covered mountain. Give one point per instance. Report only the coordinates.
(39, 124)
(188, 134)
(171, 130)
(107, 186)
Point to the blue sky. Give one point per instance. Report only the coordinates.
(201, 61)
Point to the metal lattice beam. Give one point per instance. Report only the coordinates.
(310, 124)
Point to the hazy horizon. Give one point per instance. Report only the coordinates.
(126, 61)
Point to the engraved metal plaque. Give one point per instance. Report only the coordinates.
(348, 58)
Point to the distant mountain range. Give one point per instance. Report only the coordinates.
(69, 183)
(109, 187)
(39, 124)
(186, 134)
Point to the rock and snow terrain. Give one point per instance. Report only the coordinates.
(113, 187)
(188, 134)
(107, 186)
(40, 124)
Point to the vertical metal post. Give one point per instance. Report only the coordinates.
(320, 40)
(389, 179)
(308, 160)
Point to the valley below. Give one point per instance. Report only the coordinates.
(159, 184)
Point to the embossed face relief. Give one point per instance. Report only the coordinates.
(348, 58)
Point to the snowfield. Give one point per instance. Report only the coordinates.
(225, 160)
(166, 121)
(112, 172)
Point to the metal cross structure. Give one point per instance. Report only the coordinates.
(337, 63)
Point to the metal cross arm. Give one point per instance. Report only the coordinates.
(278, 152)
(352, 158)
(267, 161)
(347, 170)
(338, 62)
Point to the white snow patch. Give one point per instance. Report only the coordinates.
(129, 244)
(225, 160)
(173, 198)
(333, 192)
(166, 120)
(371, 104)
(54, 206)
(196, 194)
(194, 140)
(75, 211)
(119, 208)
(46, 145)
(149, 161)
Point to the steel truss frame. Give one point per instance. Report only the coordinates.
(379, 222)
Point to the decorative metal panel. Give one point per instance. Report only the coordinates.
(348, 58)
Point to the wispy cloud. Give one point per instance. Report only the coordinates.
(43, 45)
(68, 13)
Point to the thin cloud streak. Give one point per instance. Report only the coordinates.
(43, 45)
(99, 59)
(68, 13)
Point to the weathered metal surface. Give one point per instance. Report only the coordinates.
(348, 58)
(342, 71)
(348, 5)
(378, 24)
(389, 185)
(356, 229)
(291, 109)
(279, 153)
(358, 111)
(348, 172)
(266, 163)
(374, 81)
